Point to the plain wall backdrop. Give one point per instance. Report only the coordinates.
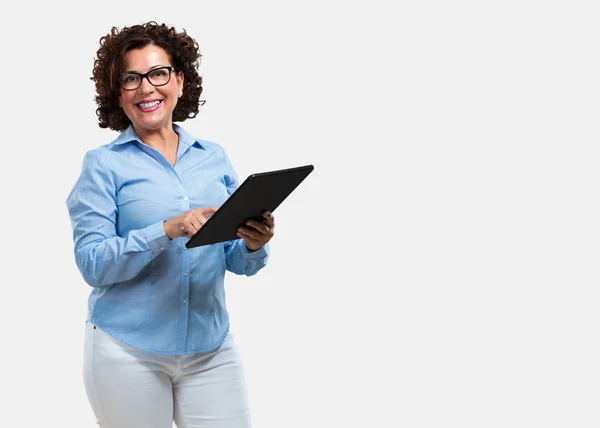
(438, 268)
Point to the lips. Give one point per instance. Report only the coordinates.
(149, 105)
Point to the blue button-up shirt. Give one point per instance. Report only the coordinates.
(149, 291)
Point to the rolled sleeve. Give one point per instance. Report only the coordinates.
(242, 261)
(157, 238)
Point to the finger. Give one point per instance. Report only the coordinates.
(196, 224)
(208, 211)
(261, 227)
(269, 218)
(248, 233)
(250, 240)
(188, 232)
(191, 228)
(201, 220)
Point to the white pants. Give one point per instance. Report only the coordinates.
(131, 388)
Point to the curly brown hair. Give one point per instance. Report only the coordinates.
(182, 50)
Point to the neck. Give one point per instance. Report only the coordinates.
(160, 139)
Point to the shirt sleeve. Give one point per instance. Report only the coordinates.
(103, 257)
(238, 259)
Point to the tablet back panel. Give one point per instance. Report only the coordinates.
(260, 192)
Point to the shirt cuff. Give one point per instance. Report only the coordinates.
(157, 238)
(252, 255)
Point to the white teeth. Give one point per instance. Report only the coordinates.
(149, 105)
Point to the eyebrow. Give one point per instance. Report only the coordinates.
(150, 69)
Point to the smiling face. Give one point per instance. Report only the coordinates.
(150, 108)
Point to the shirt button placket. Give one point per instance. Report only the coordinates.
(185, 201)
(185, 278)
(186, 287)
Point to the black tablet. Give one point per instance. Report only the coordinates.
(260, 192)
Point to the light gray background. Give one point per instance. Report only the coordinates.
(440, 266)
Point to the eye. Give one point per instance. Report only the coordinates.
(129, 78)
(159, 73)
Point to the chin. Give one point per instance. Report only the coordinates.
(149, 124)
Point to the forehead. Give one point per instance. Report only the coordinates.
(145, 58)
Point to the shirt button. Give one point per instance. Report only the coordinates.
(185, 198)
(162, 248)
(184, 273)
(185, 301)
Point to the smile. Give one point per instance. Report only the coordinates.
(149, 106)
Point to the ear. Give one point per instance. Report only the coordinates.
(180, 80)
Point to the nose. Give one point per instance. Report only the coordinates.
(145, 86)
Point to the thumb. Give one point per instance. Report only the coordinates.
(208, 211)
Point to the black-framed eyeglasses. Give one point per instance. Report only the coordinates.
(159, 76)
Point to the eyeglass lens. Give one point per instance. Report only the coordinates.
(157, 77)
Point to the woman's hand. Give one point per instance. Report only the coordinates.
(256, 233)
(188, 223)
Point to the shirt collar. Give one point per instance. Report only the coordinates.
(129, 135)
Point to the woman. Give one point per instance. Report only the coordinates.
(157, 342)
